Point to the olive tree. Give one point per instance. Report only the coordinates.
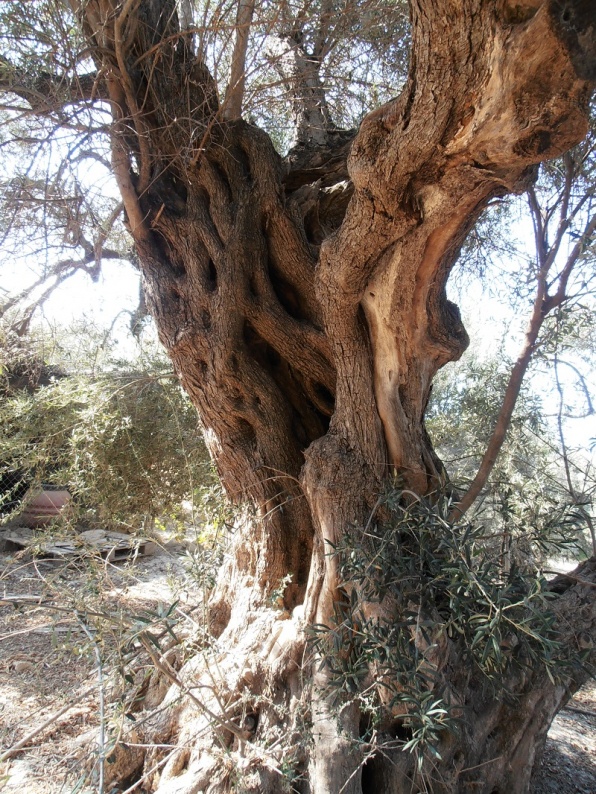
(301, 297)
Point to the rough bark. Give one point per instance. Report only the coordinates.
(303, 305)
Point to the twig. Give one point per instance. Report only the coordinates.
(102, 739)
(484, 763)
(32, 629)
(164, 668)
(149, 772)
(12, 599)
(581, 510)
(587, 712)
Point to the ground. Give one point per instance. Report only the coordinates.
(569, 763)
(48, 662)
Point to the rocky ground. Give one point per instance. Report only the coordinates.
(50, 645)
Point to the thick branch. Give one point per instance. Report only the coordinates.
(301, 72)
(423, 167)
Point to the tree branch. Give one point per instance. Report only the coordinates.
(560, 295)
(46, 93)
(61, 272)
(121, 44)
(235, 93)
(507, 407)
(543, 305)
(572, 492)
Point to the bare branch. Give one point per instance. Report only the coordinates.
(235, 92)
(561, 294)
(60, 273)
(572, 491)
(582, 382)
(46, 93)
(104, 231)
(508, 405)
(545, 300)
(120, 46)
(539, 230)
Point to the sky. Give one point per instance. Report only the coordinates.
(116, 292)
(493, 327)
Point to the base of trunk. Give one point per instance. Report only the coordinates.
(251, 712)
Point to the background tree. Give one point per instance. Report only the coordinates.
(120, 435)
(489, 395)
(528, 512)
(302, 301)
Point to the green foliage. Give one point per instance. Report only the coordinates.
(126, 443)
(527, 499)
(418, 589)
(465, 402)
(217, 517)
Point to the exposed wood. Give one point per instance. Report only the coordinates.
(112, 546)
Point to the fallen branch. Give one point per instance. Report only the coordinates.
(572, 577)
(101, 743)
(18, 599)
(22, 743)
(585, 712)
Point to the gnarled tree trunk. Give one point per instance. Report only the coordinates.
(303, 304)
